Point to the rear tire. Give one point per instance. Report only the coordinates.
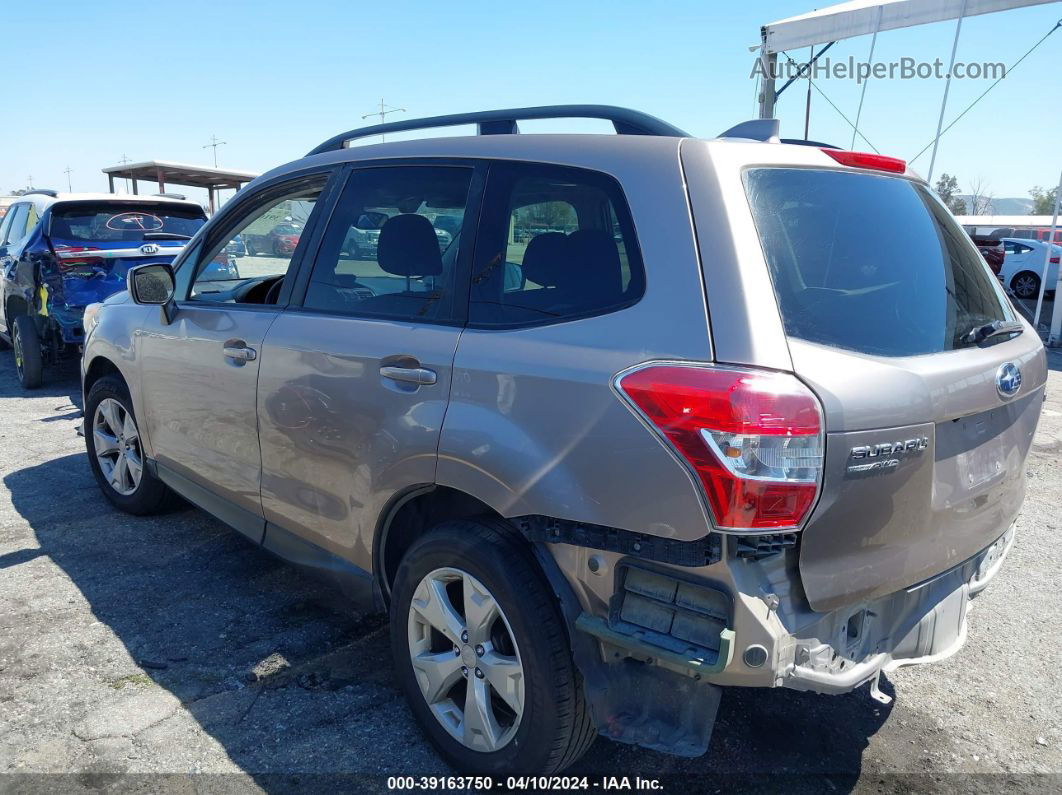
(29, 357)
(112, 433)
(552, 727)
(1025, 285)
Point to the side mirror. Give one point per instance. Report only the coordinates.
(153, 285)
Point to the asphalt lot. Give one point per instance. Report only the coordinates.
(135, 647)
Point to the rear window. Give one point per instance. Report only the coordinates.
(100, 223)
(869, 263)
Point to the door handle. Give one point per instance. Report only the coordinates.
(239, 354)
(410, 375)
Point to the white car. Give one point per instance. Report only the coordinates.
(1023, 266)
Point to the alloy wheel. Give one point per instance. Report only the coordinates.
(117, 446)
(465, 659)
(1025, 286)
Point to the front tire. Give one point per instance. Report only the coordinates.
(482, 653)
(29, 356)
(116, 454)
(1026, 285)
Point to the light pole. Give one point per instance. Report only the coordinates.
(382, 113)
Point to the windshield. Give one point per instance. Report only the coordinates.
(870, 263)
(102, 223)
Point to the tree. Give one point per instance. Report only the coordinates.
(946, 188)
(1043, 201)
(980, 197)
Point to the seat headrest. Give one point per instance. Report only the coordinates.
(408, 247)
(596, 261)
(547, 258)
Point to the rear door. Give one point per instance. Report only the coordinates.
(12, 231)
(927, 428)
(355, 378)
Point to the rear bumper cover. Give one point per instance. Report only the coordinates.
(922, 624)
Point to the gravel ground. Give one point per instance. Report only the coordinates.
(131, 648)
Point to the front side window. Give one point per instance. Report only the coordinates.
(248, 263)
(392, 246)
(557, 244)
(845, 277)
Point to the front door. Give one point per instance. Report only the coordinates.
(354, 383)
(200, 371)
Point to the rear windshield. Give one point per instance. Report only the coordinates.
(99, 223)
(869, 263)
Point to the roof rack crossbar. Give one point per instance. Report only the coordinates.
(504, 122)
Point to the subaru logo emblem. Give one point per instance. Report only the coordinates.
(1008, 380)
(149, 248)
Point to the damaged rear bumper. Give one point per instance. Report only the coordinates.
(921, 624)
(653, 663)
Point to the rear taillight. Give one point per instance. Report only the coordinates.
(867, 160)
(754, 439)
(76, 256)
(1053, 260)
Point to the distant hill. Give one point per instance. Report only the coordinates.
(1011, 206)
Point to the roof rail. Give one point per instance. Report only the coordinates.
(503, 122)
(42, 191)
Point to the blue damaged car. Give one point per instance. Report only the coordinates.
(60, 252)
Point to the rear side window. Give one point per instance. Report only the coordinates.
(869, 263)
(15, 224)
(556, 244)
(115, 223)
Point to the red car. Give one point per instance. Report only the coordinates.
(280, 241)
(992, 250)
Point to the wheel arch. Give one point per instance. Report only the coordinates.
(99, 367)
(14, 307)
(410, 515)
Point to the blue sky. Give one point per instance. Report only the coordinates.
(89, 82)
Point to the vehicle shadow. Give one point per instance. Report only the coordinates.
(295, 686)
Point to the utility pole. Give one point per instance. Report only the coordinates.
(382, 113)
(214, 144)
(125, 159)
(67, 171)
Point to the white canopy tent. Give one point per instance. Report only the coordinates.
(869, 17)
(864, 17)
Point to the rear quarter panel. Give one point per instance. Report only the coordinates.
(533, 425)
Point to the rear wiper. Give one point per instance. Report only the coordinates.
(165, 236)
(993, 329)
